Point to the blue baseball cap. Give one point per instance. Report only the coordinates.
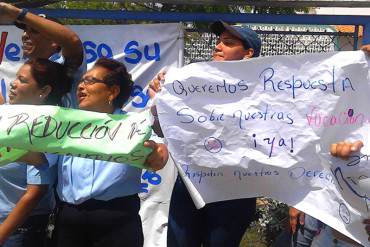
(249, 37)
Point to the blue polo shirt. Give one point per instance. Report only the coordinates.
(15, 177)
(81, 179)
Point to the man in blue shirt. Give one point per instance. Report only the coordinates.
(223, 223)
(45, 37)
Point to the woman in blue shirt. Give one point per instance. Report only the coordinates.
(99, 199)
(25, 197)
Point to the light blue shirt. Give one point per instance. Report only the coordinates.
(15, 177)
(81, 179)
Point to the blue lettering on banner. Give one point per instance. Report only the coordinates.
(138, 91)
(131, 50)
(294, 83)
(12, 52)
(3, 88)
(152, 178)
(93, 51)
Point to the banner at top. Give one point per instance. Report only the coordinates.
(144, 49)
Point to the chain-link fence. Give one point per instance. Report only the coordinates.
(276, 40)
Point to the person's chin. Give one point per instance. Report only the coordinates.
(218, 58)
(85, 107)
(82, 105)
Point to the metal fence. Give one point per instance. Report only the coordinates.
(276, 40)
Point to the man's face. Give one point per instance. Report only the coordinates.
(34, 45)
(230, 48)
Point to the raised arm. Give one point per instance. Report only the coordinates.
(67, 39)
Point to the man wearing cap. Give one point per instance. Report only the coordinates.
(45, 37)
(220, 223)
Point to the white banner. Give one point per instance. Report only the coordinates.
(145, 50)
(263, 127)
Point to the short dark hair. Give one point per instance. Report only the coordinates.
(117, 75)
(53, 74)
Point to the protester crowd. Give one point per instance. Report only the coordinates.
(61, 200)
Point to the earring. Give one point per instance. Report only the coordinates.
(40, 96)
(109, 102)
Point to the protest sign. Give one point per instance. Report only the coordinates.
(8, 155)
(263, 127)
(92, 135)
(145, 49)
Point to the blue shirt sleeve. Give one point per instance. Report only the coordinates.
(39, 175)
(52, 159)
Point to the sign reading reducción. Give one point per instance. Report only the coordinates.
(116, 138)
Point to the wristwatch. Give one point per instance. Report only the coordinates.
(21, 15)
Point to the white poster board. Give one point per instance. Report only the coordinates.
(263, 127)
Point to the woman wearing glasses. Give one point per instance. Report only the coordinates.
(99, 199)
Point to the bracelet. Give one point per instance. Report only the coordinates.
(23, 14)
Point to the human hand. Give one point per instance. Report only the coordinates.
(156, 84)
(344, 149)
(8, 13)
(158, 158)
(295, 217)
(367, 227)
(8, 149)
(366, 49)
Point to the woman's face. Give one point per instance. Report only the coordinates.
(24, 89)
(92, 92)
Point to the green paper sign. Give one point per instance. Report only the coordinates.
(8, 155)
(50, 129)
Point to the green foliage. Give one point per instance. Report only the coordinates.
(111, 5)
(280, 10)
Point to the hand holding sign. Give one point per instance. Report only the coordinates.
(8, 155)
(345, 149)
(158, 158)
(119, 138)
(296, 217)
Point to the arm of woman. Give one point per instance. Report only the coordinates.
(33, 158)
(22, 210)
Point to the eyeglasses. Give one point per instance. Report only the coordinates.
(90, 81)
